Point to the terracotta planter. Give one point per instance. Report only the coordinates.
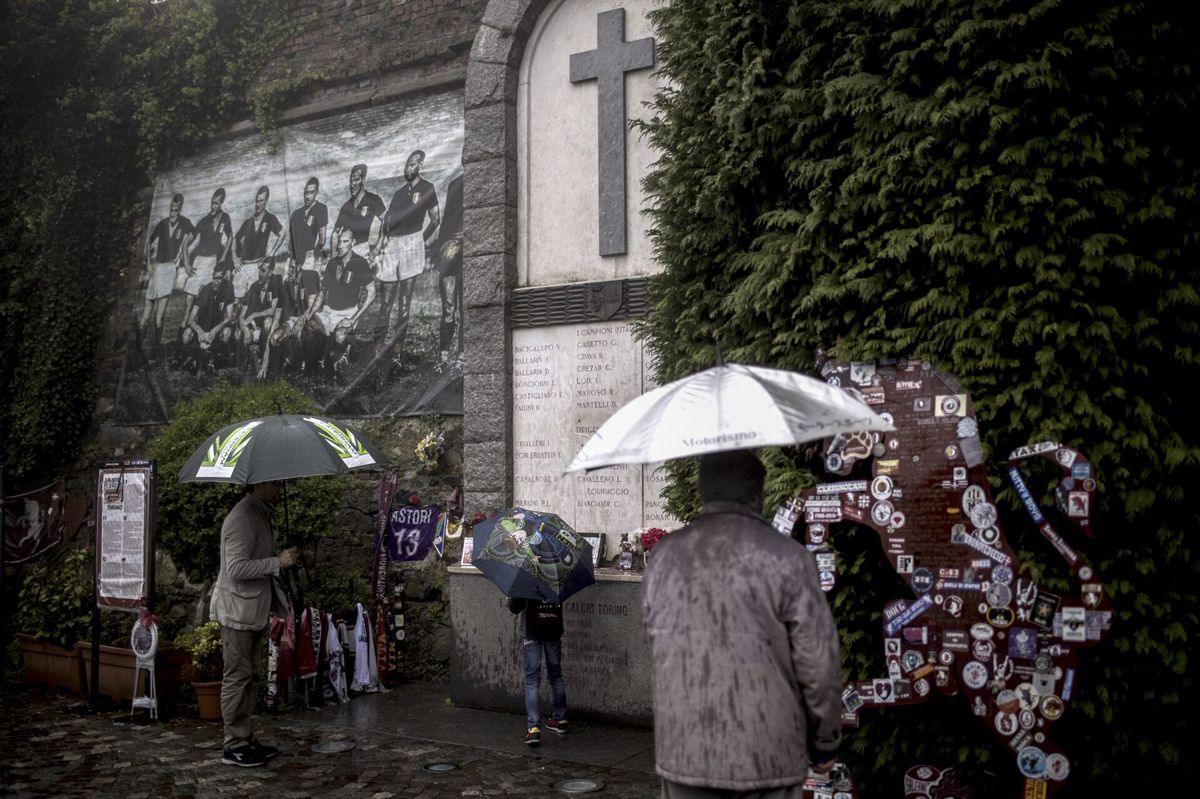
(50, 664)
(118, 665)
(208, 699)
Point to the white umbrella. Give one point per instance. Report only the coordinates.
(727, 407)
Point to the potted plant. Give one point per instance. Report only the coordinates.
(53, 613)
(204, 645)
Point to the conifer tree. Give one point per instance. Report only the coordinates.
(1005, 189)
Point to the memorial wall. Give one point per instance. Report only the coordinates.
(567, 381)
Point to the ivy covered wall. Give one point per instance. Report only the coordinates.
(1008, 190)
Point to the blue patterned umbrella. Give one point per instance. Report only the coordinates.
(533, 555)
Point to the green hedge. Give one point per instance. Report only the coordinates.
(1009, 190)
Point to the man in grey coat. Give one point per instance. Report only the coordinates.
(242, 600)
(747, 671)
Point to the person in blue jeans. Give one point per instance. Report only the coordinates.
(543, 635)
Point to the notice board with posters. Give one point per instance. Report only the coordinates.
(125, 535)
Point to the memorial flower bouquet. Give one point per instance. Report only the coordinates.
(429, 451)
(650, 537)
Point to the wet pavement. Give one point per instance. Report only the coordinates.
(48, 748)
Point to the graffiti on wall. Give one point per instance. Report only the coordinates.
(977, 623)
(333, 261)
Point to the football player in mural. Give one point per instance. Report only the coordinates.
(307, 230)
(361, 215)
(213, 238)
(260, 315)
(207, 339)
(347, 290)
(407, 234)
(300, 324)
(449, 264)
(257, 240)
(166, 262)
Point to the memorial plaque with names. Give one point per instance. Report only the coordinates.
(567, 381)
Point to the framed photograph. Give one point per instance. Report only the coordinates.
(468, 548)
(597, 542)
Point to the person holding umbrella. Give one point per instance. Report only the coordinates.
(244, 596)
(746, 667)
(543, 636)
(538, 561)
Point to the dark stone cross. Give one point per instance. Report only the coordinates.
(607, 65)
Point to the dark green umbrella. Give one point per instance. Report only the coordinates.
(280, 447)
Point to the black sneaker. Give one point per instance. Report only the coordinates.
(557, 725)
(266, 750)
(245, 756)
(533, 737)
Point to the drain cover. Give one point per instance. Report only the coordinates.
(440, 767)
(330, 747)
(579, 786)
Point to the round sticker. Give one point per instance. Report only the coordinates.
(982, 631)
(898, 519)
(1000, 617)
(1052, 707)
(1006, 723)
(949, 405)
(1042, 661)
(833, 462)
(1025, 719)
(946, 657)
(1085, 572)
(1057, 766)
(999, 595)
(911, 660)
(921, 686)
(951, 452)
(881, 487)
(983, 514)
(1002, 574)
(921, 580)
(881, 512)
(972, 496)
(1032, 762)
(974, 674)
(983, 650)
(816, 533)
(989, 535)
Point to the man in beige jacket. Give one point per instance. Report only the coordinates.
(747, 672)
(242, 600)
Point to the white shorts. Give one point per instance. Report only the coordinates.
(243, 278)
(331, 318)
(162, 281)
(203, 267)
(402, 258)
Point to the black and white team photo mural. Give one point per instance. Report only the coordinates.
(333, 261)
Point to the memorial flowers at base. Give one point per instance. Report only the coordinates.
(429, 451)
(650, 537)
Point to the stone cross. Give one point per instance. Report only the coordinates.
(607, 65)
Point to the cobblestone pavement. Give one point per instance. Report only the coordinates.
(50, 749)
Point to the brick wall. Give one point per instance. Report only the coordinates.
(363, 44)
